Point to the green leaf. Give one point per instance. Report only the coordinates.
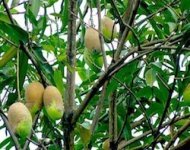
(49, 3)
(145, 92)
(85, 133)
(59, 81)
(127, 73)
(127, 130)
(14, 32)
(4, 18)
(83, 73)
(7, 56)
(35, 7)
(42, 24)
(150, 77)
(65, 14)
(6, 82)
(43, 64)
(185, 5)
(93, 60)
(181, 122)
(113, 84)
(161, 94)
(155, 108)
(78, 145)
(173, 14)
(155, 25)
(5, 142)
(23, 68)
(32, 18)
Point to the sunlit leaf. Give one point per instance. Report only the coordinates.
(85, 133)
(150, 77)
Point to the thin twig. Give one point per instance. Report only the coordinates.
(82, 16)
(140, 104)
(112, 2)
(148, 51)
(179, 132)
(115, 68)
(8, 11)
(163, 82)
(128, 19)
(103, 78)
(98, 111)
(45, 81)
(171, 90)
(123, 23)
(17, 145)
(171, 39)
(103, 93)
(158, 11)
(101, 37)
(19, 4)
(182, 145)
(126, 143)
(9, 41)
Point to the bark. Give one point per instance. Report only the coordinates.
(69, 100)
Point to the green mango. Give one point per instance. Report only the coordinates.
(53, 112)
(107, 28)
(20, 119)
(53, 103)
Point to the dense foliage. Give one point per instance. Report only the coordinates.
(135, 99)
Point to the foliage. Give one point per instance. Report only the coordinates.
(148, 78)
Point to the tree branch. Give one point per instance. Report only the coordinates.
(82, 16)
(182, 145)
(171, 90)
(128, 19)
(106, 76)
(179, 132)
(103, 93)
(69, 101)
(99, 107)
(45, 81)
(8, 11)
(141, 106)
(115, 68)
(113, 120)
(126, 143)
(158, 11)
(98, 111)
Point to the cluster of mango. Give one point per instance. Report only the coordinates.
(20, 115)
(92, 53)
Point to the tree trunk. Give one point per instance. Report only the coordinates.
(69, 100)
